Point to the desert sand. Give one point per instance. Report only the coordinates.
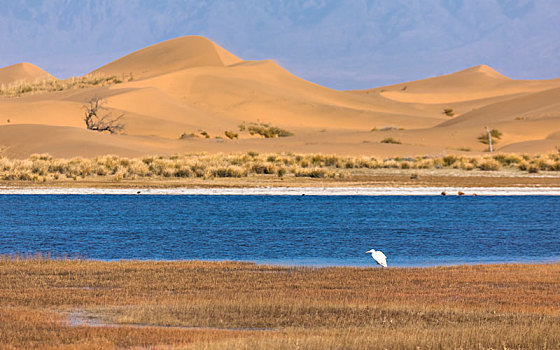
(22, 72)
(190, 86)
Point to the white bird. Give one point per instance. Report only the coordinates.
(379, 257)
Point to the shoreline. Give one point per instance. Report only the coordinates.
(306, 263)
(289, 191)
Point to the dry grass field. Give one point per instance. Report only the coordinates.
(82, 304)
(281, 169)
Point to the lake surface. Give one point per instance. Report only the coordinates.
(288, 230)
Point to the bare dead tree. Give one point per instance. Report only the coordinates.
(105, 122)
(489, 135)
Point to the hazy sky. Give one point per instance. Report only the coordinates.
(343, 44)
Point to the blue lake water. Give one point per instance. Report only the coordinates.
(310, 230)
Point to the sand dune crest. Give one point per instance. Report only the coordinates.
(168, 56)
(22, 72)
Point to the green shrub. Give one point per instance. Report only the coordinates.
(263, 168)
(494, 134)
(449, 160)
(281, 172)
(313, 173)
(268, 131)
(232, 171)
(533, 169)
(185, 136)
(231, 135)
(448, 112)
(390, 140)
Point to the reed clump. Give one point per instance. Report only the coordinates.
(43, 167)
(47, 303)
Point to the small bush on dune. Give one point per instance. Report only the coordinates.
(231, 135)
(185, 136)
(390, 140)
(448, 112)
(266, 130)
(495, 135)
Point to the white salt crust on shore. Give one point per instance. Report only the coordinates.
(296, 191)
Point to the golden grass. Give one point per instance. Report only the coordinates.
(245, 306)
(20, 88)
(44, 168)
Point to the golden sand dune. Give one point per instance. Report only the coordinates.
(19, 141)
(22, 72)
(184, 94)
(475, 83)
(264, 92)
(168, 56)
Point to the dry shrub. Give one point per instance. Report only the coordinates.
(390, 140)
(489, 165)
(231, 171)
(406, 165)
(465, 164)
(449, 160)
(390, 163)
(43, 167)
(263, 168)
(508, 159)
(313, 173)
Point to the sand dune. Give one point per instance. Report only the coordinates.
(475, 83)
(22, 72)
(168, 56)
(191, 86)
(19, 141)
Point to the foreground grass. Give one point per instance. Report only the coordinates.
(44, 168)
(216, 305)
